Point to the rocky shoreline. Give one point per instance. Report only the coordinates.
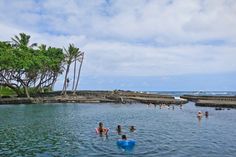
(124, 97)
(96, 97)
(212, 101)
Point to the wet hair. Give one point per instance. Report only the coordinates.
(132, 128)
(100, 123)
(123, 137)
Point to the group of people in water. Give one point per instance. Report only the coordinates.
(200, 114)
(104, 131)
(119, 130)
(164, 106)
(123, 143)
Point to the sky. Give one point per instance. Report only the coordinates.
(145, 45)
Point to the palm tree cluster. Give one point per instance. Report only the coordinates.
(72, 55)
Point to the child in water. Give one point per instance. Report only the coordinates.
(132, 128)
(118, 129)
(199, 114)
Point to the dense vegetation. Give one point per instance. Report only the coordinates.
(31, 68)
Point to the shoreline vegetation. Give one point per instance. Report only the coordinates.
(27, 69)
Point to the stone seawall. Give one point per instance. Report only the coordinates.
(212, 101)
(95, 97)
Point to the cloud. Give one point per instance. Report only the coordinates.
(141, 60)
(132, 38)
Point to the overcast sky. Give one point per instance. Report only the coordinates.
(136, 44)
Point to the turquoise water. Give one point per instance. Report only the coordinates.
(69, 130)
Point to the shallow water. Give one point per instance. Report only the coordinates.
(69, 130)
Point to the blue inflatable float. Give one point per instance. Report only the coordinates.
(126, 144)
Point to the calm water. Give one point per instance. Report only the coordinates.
(68, 130)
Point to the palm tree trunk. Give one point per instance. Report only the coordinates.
(73, 86)
(77, 82)
(65, 80)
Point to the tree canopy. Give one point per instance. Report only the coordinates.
(24, 65)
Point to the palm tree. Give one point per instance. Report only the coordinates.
(76, 58)
(69, 56)
(80, 59)
(22, 41)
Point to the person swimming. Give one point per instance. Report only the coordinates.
(123, 137)
(125, 143)
(118, 129)
(100, 129)
(132, 128)
(199, 114)
(206, 114)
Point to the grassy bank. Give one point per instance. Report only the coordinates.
(5, 91)
(8, 92)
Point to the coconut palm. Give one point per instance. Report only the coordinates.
(70, 55)
(22, 41)
(80, 60)
(76, 59)
(75, 66)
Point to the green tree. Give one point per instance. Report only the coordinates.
(23, 66)
(27, 68)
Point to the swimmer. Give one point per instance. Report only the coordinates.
(101, 129)
(126, 143)
(132, 128)
(206, 114)
(199, 114)
(123, 137)
(168, 106)
(118, 129)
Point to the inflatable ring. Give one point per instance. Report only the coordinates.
(126, 144)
